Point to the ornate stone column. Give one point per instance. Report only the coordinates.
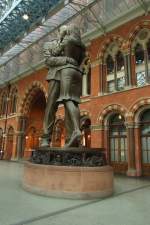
(84, 85)
(146, 65)
(133, 66)
(104, 78)
(95, 75)
(127, 65)
(14, 147)
(115, 73)
(106, 142)
(101, 88)
(138, 150)
(131, 150)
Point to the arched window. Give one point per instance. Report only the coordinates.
(110, 74)
(145, 136)
(13, 101)
(3, 104)
(141, 46)
(140, 65)
(120, 71)
(117, 139)
(115, 67)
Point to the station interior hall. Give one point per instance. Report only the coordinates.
(114, 110)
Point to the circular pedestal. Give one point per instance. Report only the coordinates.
(68, 181)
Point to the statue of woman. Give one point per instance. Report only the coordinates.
(71, 83)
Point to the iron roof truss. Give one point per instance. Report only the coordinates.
(14, 26)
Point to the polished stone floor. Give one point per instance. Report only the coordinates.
(130, 204)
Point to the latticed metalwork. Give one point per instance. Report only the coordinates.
(5, 6)
(45, 17)
(13, 26)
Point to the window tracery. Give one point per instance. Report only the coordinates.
(3, 104)
(141, 46)
(115, 64)
(13, 101)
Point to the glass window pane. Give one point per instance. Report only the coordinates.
(120, 83)
(148, 143)
(141, 79)
(144, 144)
(144, 156)
(118, 134)
(146, 129)
(116, 143)
(139, 54)
(122, 130)
(110, 64)
(116, 156)
(120, 61)
(112, 147)
(126, 155)
(112, 156)
(149, 156)
(111, 86)
(112, 144)
(146, 116)
(122, 144)
(122, 156)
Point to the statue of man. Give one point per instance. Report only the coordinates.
(63, 58)
(54, 61)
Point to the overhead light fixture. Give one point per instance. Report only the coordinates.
(25, 17)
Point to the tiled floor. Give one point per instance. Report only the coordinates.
(130, 204)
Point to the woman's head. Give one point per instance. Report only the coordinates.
(63, 31)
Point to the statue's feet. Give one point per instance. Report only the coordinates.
(75, 140)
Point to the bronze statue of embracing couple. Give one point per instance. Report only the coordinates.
(63, 57)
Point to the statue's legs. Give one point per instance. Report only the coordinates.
(73, 119)
(68, 125)
(51, 108)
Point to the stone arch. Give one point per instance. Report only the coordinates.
(134, 32)
(29, 94)
(112, 39)
(138, 107)
(108, 111)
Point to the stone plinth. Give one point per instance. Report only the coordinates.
(68, 181)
